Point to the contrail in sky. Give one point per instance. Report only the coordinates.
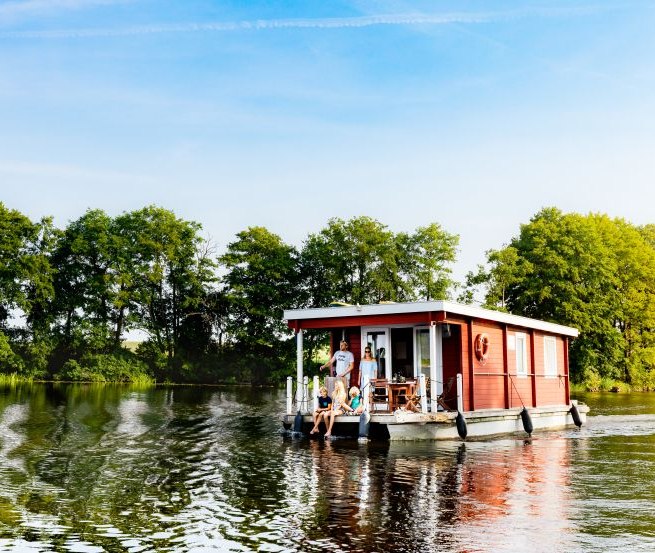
(322, 23)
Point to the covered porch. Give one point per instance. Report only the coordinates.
(418, 354)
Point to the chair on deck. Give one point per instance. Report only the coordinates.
(412, 401)
(407, 397)
(441, 398)
(379, 396)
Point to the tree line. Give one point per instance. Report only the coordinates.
(69, 297)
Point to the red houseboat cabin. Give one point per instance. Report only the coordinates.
(486, 365)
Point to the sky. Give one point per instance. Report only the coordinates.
(471, 114)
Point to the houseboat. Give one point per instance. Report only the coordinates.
(444, 371)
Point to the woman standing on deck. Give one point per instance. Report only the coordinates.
(339, 406)
(368, 369)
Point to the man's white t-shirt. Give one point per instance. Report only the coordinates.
(343, 359)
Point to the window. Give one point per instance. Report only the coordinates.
(550, 356)
(423, 351)
(521, 354)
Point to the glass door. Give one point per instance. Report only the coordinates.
(378, 340)
(422, 356)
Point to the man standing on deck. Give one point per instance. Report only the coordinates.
(345, 362)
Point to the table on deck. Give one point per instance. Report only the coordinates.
(398, 389)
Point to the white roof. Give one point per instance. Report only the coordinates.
(425, 306)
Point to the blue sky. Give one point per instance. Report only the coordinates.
(474, 115)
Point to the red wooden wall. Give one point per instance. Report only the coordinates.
(495, 384)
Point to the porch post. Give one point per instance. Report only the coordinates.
(567, 389)
(434, 387)
(299, 369)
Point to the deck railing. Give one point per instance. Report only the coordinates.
(301, 401)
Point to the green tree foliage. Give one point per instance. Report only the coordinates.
(352, 261)
(261, 280)
(425, 258)
(168, 274)
(591, 272)
(85, 258)
(505, 269)
(361, 261)
(144, 270)
(25, 290)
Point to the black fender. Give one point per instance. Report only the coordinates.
(527, 421)
(460, 421)
(297, 422)
(575, 415)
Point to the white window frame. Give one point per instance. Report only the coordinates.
(386, 330)
(521, 342)
(550, 369)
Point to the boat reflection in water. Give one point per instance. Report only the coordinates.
(478, 496)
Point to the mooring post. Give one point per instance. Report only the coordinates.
(460, 396)
(424, 393)
(289, 395)
(305, 394)
(315, 385)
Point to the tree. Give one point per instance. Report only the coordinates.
(590, 272)
(505, 270)
(167, 278)
(425, 256)
(25, 288)
(361, 261)
(261, 280)
(352, 261)
(85, 283)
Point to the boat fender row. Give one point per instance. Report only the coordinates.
(527, 421)
(575, 416)
(460, 421)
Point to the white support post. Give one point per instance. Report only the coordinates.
(433, 368)
(424, 395)
(289, 395)
(299, 368)
(305, 395)
(315, 385)
(460, 394)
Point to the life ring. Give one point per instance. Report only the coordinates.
(481, 347)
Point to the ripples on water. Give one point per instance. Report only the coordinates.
(108, 468)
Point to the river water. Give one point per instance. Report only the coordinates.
(90, 468)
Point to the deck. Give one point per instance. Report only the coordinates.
(403, 425)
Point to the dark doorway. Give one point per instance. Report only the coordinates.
(402, 352)
(452, 361)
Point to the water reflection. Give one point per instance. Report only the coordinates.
(187, 468)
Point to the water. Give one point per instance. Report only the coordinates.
(109, 468)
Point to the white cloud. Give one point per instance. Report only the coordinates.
(308, 23)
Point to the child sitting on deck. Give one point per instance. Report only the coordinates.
(355, 401)
(339, 406)
(324, 404)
